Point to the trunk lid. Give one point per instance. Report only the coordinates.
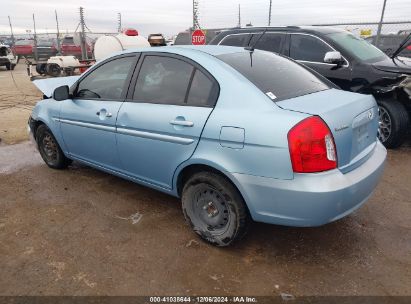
(351, 117)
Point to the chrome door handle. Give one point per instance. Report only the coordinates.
(184, 123)
(108, 114)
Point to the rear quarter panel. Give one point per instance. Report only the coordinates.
(242, 105)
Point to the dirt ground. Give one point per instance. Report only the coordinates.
(83, 232)
(17, 97)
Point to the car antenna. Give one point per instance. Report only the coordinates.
(252, 47)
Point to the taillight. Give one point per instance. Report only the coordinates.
(312, 147)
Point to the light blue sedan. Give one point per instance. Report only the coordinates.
(237, 134)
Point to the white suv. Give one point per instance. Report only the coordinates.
(7, 58)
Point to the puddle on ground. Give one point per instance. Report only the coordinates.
(19, 156)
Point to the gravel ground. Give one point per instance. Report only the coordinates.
(83, 232)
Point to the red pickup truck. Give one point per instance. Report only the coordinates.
(68, 47)
(24, 48)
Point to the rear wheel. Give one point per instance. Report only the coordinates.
(41, 68)
(50, 150)
(8, 66)
(393, 123)
(53, 69)
(214, 208)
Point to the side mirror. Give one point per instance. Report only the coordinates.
(333, 58)
(61, 93)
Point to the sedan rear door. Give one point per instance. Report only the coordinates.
(160, 124)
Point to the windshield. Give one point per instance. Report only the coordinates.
(278, 77)
(357, 47)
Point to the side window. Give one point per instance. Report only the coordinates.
(163, 80)
(271, 42)
(106, 81)
(236, 40)
(308, 48)
(201, 91)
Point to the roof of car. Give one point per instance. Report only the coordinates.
(290, 28)
(214, 50)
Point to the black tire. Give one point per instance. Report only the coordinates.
(394, 122)
(12, 66)
(53, 69)
(50, 150)
(8, 66)
(214, 208)
(41, 68)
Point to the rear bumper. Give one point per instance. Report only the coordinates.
(312, 199)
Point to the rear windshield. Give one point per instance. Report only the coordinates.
(24, 42)
(279, 78)
(45, 42)
(68, 40)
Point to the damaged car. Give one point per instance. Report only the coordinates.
(350, 62)
(237, 134)
(7, 58)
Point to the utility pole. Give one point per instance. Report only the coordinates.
(377, 38)
(83, 35)
(196, 24)
(119, 27)
(269, 13)
(239, 16)
(58, 33)
(11, 30)
(35, 39)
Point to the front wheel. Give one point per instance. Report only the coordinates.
(393, 123)
(214, 208)
(49, 149)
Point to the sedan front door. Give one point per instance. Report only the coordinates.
(160, 124)
(88, 121)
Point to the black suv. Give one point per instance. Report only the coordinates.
(350, 62)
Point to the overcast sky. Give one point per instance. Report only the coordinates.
(170, 17)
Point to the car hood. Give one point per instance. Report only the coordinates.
(47, 86)
(397, 65)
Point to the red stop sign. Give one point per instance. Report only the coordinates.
(198, 38)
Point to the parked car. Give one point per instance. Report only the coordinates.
(24, 48)
(7, 58)
(237, 134)
(390, 43)
(69, 48)
(348, 61)
(7, 41)
(156, 40)
(46, 48)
